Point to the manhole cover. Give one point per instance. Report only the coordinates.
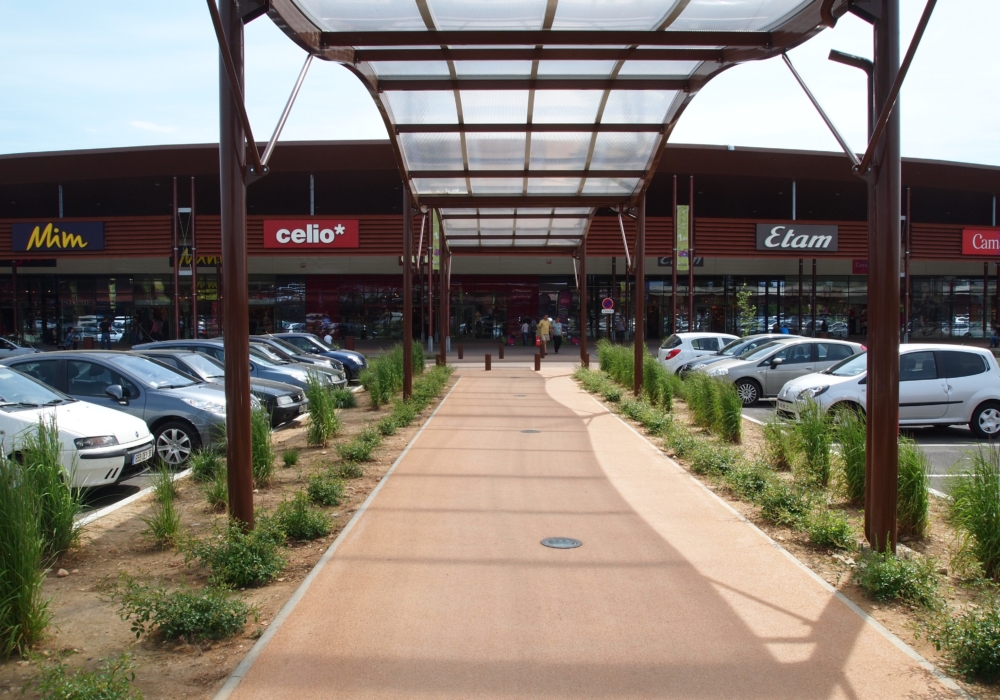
(531, 431)
(561, 542)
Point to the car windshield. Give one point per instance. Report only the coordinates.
(762, 351)
(851, 367)
(672, 342)
(20, 390)
(263, 360)
(204, 365)
(732, 347)
(270, 354)
(150, 372)
(288, 347)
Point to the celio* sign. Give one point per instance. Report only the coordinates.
(981, 241)
(792, 238)
(311, 234)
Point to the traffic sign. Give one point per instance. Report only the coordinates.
(607, 311)
(608, 304)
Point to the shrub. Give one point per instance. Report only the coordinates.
(885, 576)
(701, 400)
(357, 450)
(205, 464)
(261, 448)
(165, 523)
(383, 378)
(344, 398)
(785, 504)
(217, 491)
(387, 426)
(290, 457)
(971, 641)
(23, 610)
(680, 440)
(830, 528)
(779, 448)
(715, 460)
(812, 439)
(618, 361)
(912, 501)
(111, 681)
(325, 489)
(39, 450)
(729, 418)
(350, 470)
(324, 422)
(850, 431)
(242, 558)
(975, 509)
(748, 480)
(300, 521)
(183, 614)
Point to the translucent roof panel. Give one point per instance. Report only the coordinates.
(432, 151)
(637, 106)
(494, 106)
(497, 151)
(566, 106)
(735, 15)
(620, 14)
(559, 150)
(417, 107)
(476, 14)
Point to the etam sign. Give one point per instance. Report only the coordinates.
(311, 234)
(795, 238)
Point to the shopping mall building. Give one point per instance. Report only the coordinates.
(91, 234)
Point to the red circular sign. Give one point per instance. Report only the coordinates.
(608, 303)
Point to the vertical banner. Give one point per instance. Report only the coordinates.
(436, 239)
(682, 238)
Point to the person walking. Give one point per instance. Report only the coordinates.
(71, 339)
(619, 330)
(544, 331)
(557, 334)
(105, 328)
(525, 331)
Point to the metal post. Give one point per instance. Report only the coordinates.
(17, 301)
(538, 362)
(986, 298)
(906, 270)
(194, 267)
(236, 321)
(583, 300)
(614, 296)
(812, 303)
(799, 330)
(673, 266)
(177, 266)
(640, 293)
(442, 303)
(883, 297)
(691, 228)
(488, 362)
(407, 296)
(500, 349)
(218, 298)
(461, 352)
(430, 297)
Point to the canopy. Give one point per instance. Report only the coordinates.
(518, 119)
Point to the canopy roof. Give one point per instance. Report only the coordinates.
(518, 119)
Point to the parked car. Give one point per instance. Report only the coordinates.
(293, 353)
(283, 401)
(265, 353)
(182, 413)
(738, 347)
(353, 361)
(98, 445)
(767, 369)
(679, 348)
(938, 385)
(9, 348)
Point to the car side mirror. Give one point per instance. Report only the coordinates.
(116, 392)
(776, 361)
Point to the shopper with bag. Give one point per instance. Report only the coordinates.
(544, 330)
(557, 334)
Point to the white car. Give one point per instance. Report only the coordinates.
(681, 348)
(9, 349)
(938, 385)
(99, 445)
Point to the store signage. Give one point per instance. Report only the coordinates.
(794, 238)
(311, 234)
(668, 261)
(682, 238)
(203, 260)
(859, 266)
(981, 241)
(58, 236)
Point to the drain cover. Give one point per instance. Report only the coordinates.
(561, 542)
(520, 394)
(531, 431)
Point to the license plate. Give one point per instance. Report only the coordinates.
(141, 457)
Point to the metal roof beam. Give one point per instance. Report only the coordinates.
(520, 237)
(522, 128)
(516, 216)
(593, 38)
(562, 82)
(469, 201)
(519, 174)
(535, 54)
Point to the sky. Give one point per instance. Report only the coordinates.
(116, 73)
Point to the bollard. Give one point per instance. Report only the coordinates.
(461, 351)
(538, 362)
(488, 362)
(349, 342)
(501, 351)
(541, 349)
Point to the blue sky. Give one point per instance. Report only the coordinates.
(124, 73)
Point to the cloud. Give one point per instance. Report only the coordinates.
(150, 126)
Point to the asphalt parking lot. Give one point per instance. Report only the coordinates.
(948, 449)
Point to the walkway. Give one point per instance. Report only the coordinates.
(442, 590)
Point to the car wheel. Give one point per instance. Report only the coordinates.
(839, 411)
(985, 421)
(175, 442)
(749, 391)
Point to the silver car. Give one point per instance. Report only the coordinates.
(9, 349)
(763, 373)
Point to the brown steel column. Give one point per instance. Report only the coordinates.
(583, 303)
(177, 267)
(442, 301)
(883, 297)
(986, 298)
(17, 301)
(613, 295)
(640, 293)
(812, 303)
(430, 291)
(194, 268)
(236, 318)
(906, 271)
(691, 254)
(799, 330)
(218, 298)
(407, 296)
(673, 266)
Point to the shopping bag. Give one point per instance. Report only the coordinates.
(538, 340)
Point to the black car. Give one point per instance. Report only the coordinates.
(353, 361)
(283, 401)
(292, 353)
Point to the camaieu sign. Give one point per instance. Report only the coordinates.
(310, 234)
(981, 241)
(797, 238)
(61, 236)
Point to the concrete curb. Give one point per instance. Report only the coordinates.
(107, 510)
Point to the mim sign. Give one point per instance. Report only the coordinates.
(796, 238)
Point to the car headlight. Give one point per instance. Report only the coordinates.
(210, 406)
(811, 392)
(717, 372)
(284, 400)
(255, 402)
(101, 441)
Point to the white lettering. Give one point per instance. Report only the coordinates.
(282, 236)
(298, 236)
(775, 233)
(981, 243)
(788, 237)
(820, 241)
(801, 241)
(326, 235)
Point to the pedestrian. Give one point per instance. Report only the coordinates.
(105, 334)
(544, 331)
(995, 338)
(620, 329)
(155, 329)
(71, 339)
(525, 331)
(557, 334)
(824, 328)
(328, 339)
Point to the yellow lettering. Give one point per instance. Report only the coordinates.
(73, 240)
(48, 239)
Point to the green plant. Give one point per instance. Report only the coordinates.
(779, 448)
(262, 452)
(747, 311)
(849, 431)
(290, 457)
(912, 500)
(241, 558)
(618, 361)
(975, 509)
(165, 522)
(205, 464)
(680, 440)
(324, 422)
(971, 640)
(387, 426)
(24, 611)
(300, 521)
(716, 460)
(325, 489)
(344, 398)
(39, 450)
(111, 681)
(217, 491)
(182, 614)
(812, 439)
(830, 528)
(729, 418)
(785, 504)
(350, 470)
(360, 449)
(885, 576)
(748, 480)
(383, 378)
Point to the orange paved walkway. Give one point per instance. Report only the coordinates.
(442, 590)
